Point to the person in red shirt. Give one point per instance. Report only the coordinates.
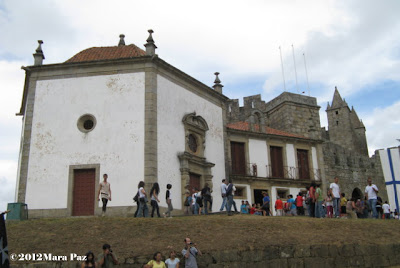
(299, 204)
(278, 206)
(253, 209)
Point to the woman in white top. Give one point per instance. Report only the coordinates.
(143, 210)
(172, 261)
(105, 191)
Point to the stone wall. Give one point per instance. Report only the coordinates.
(305, 256)
(352, 169)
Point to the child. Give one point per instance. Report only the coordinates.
(343, 203)
(172, 262)
(386, 210)
(243, 208)
(329, 205)
(169, 201)
(253, 209)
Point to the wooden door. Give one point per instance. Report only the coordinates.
(302, 162)
(238, 158)
(194, 182)
(84, 192)
(276, 162)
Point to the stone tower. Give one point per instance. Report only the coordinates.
(345, 128)
(295, 113)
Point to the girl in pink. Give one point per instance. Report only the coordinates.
(329, 205)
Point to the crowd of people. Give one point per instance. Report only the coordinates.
(108, 259)
(332, 204)
(316, 202)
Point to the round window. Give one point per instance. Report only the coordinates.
(192, 143)
(86, 123)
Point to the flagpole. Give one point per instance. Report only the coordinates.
(295, 71)
(305, 66)
(283, 73)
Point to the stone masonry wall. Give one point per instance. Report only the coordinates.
(352, 169)
(293, 256)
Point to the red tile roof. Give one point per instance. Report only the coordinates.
(245, 126)
(108, 53)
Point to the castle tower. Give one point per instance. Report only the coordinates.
(345, 128)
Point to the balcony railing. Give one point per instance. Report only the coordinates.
(287, 172)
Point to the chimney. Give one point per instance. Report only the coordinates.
(150, 46)
(39, 56)
(217, 83)
(121, 40)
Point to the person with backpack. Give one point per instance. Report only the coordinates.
(143, 209)
(206, 194)
(187, 204)
(169, 201)
(229, 197)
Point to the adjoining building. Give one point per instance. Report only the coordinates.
(126, 112)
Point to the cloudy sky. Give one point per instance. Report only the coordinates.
(354, 45)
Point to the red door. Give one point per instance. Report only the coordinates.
(84, 192)
(302, 162)
(194, 182)
(276, 162)
(238, 158)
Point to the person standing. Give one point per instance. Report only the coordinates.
(291, 206)
(155, 190)
(329, 204)
(169, 201)
(266, 202)
(278, 206)
(105, 191)
(371, 192)
(386, 210)
(335, 192)
(172, 261)
(343, 203)
(190, 253)
(223, 194)
(229, 197)
(312, 200)
(299, 204)
(107, 259)
(143, 210)
(206, 194)
(187, 204)
(156, 262)
(318, 202)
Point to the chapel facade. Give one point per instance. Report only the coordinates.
(126, 112)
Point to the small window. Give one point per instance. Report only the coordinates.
(282, 193)
(240, 192)
(192, 142)
(337, 123)
(337, 112)
(86, 123)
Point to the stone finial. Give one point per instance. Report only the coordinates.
(121, 40)
(39, 56)
(217, 83)
(150, 45)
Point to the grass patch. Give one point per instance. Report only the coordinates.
(143, 236)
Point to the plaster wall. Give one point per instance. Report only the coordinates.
(173, 103)
(116, 142)
(258, 154)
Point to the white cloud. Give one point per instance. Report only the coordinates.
(383, 127)
(8, 174)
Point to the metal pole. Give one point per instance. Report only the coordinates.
(283, 73)
(305, 66)
(295, 71)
